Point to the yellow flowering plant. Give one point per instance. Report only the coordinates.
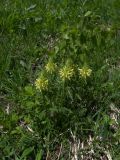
(41, 83)
(57, 89)
(50, 66)
(85, 72)
(66, 72)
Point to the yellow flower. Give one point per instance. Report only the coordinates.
(85, 72)
(41, 83)
(50, 66)
(66, 72)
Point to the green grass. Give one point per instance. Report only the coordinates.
(31, 32)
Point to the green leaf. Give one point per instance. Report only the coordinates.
(30, 104)
(65, 36)
(16, 158)
(26, 152)
(29, 90)
(39, 155)
(88, 13)
(31, 7)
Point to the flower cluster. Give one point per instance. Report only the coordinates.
(50, 66)
(41, 83)
(85, 72)
(66, 72)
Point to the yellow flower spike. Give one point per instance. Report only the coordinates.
(41, 83)
(85, 72)
(66, 73)
(50, 67)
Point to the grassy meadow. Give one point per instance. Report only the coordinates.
(60, 79)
